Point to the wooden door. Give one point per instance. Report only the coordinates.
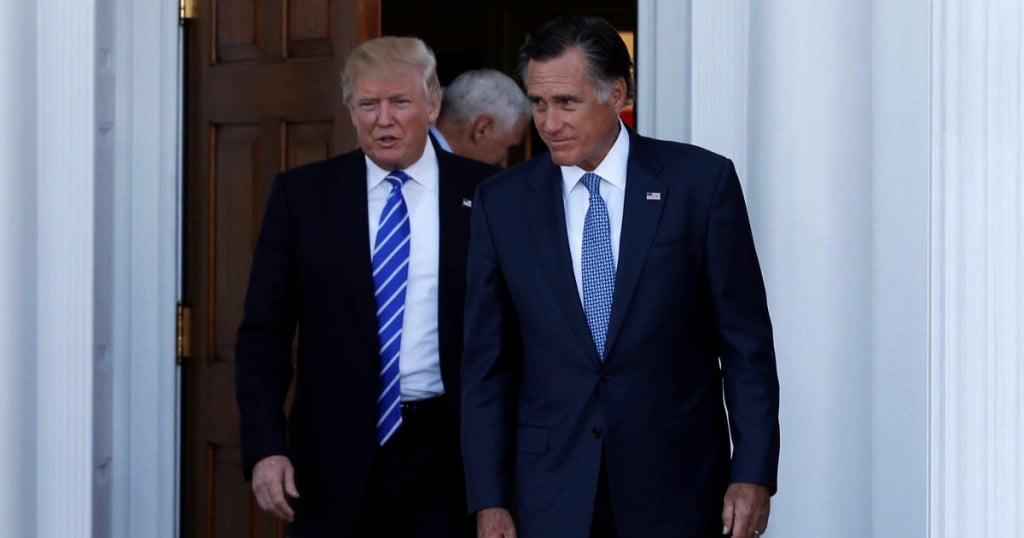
(262, 95)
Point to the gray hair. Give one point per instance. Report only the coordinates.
(485, 91)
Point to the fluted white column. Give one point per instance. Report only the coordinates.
(720, 77)
(900, 291)
(809, 193)
(65, 146)
(977, 270)
(663, 68)
(784, 88)
(17, 269)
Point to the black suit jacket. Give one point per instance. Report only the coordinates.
(311, 273)
(689, 336)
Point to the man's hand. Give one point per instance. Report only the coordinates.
(272, 478)
(745, 510)
(495, 523)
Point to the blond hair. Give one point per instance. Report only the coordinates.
(391, 53)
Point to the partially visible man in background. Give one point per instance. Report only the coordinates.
(484, 114)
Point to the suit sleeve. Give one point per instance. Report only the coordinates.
(263, 367)
(490, 372)
(745, 341)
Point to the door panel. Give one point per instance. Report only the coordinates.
(262, 95)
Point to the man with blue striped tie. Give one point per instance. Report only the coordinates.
(363, 256)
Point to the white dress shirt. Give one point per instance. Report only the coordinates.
(576, 199)
(419, 362)
(441, 140)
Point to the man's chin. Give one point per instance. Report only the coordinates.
(561, 158)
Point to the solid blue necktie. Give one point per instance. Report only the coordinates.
(598, 266)
(390, 275)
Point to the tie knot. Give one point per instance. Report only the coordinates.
(397, 178)
(592, 181)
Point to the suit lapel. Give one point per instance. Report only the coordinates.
(547, 225)
(640, 219)
(349, 235)
(453, 222)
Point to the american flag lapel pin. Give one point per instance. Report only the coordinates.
(466, 202)
(656, 196)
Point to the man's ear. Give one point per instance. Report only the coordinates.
(481, 128)
(618, 94)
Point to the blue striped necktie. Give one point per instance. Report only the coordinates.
(598, 266)
(390, 274)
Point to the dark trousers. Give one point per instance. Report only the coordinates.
(416, 487)
(603, 523)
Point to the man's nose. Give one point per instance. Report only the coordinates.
(385, 114)
(550, 121)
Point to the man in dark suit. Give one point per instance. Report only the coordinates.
(615, 310)
(365, 254)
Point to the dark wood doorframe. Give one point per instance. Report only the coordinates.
(262, 95)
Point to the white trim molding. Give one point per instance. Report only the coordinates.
(66, 75)
(146, 438)
(18, 280)
(977, 270)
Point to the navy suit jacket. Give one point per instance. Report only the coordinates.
(311, 272)
(689, 336)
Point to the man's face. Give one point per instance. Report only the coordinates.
(391, 114)
(577, 129)
(492, 146)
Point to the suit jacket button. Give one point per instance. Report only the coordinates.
(597, 432)
(605, 376)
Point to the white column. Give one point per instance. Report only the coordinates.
(809, 193)
(720, 77)
(786, 91)
(663, 68)
(17, 268)
(977, 270)
(900, 94)
(65, 141)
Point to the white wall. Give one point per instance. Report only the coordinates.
(17, 269)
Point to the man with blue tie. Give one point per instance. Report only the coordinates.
(363, 257)
(619, 372)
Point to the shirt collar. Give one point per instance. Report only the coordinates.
(441, 140)
(611, 169)
(423, 171)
